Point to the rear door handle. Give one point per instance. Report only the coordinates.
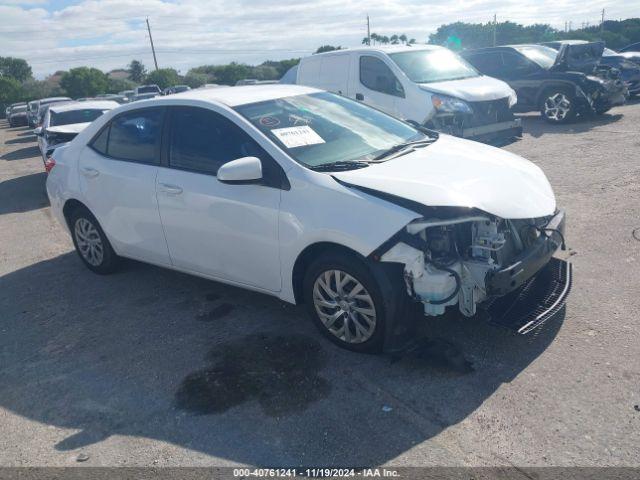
(359, 96)
(90, 172)
(170, 189)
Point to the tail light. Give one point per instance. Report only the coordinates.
(49, 164)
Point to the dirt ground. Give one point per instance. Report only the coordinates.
(150, 367)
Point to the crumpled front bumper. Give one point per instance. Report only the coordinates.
(532, 289)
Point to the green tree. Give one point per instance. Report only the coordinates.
(34, 89)
(84, 82)
(137, 71)
(15, 68)
(403, 38)
(163, 77)
(394, 39)
(116, 85)
(10, 92)
(195, 80)
(327, 48)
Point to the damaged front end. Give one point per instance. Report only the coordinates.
(505, 267)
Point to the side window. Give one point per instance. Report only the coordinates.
(487, 63)
(135, 136)
(202, 140)
(99, 143)
(516, 63)
(376, 75)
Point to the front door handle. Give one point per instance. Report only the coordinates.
(359, 96)
(90, 172)
(170, 189)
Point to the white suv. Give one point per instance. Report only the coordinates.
(313, 198)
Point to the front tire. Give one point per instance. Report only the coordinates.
(558, 106)
(91, 243)
(345, 301)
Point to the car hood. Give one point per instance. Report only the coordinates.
(581, 57)
(71, 128)
(474, 89)
(454, 172)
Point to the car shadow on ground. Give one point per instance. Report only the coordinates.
(535, 126)
(23, 194)
(153, 353)
(22, 153)
(21, 139)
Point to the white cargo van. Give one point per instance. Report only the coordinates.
(426, 84)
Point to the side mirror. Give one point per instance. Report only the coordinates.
(38, 131)
(241, 171)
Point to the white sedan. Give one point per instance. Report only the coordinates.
(63, 121)
(315, 199)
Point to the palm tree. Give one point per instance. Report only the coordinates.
(403, 38)
(375, 38)
(383, 39)
(412, 41)
(394, 39)
(365, 41)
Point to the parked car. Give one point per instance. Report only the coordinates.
(128, 94)
(427, 84)
(316, 199)
(144, 96)
(629, 71)
(176, 89)
(254, 81)
(63, 121)
(139, 90)
(560, 85)
(18, 115)
(34, 111)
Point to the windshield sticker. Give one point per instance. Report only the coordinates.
(269, 121)
(293, 137)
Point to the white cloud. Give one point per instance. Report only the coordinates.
(109, 33)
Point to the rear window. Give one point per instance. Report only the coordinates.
(148, 89)
(75, 116)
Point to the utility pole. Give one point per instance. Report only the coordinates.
(153, 50)
(569, 25)
(368, 32)
(602, 22)
(495, 26)
(565, 25)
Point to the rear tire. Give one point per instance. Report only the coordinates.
(345, 301)
(558, 106)
(92, 245)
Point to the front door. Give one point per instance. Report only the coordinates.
(378, 86)
(218, 229)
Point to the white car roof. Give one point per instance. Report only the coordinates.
(90, 104)
(233, 96)
(384, 49)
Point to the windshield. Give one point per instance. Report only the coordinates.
(148, 89)
(424, 66)
(543, 56)
(323, 128)
(609, 53)
(21, 108)
(74, 116)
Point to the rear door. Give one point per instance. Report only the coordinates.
(118, 172)
(228, 231)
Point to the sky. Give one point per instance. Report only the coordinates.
(60, 34)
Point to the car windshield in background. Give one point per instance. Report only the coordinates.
(152, 89)
(425, 66)
(74, 116)
(323, 128)
(21, 108)
(543, 56)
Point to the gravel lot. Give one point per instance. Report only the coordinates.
(150, 367)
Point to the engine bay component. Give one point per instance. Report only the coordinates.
(472, 260)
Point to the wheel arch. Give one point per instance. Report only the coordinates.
(70, 206)
(307, 255)
(551, 85)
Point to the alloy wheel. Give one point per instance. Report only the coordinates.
(89, 242)
(344, 306)
(557, 107)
